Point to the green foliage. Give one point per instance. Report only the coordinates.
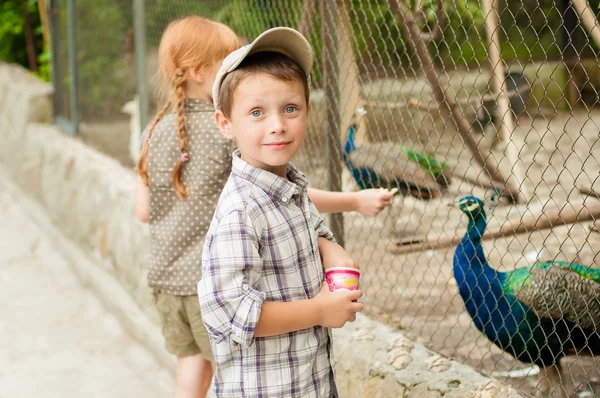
(102, 27)
(12, 34)
(44, 65)
(529, 29)
(249, 18)
(160, 12)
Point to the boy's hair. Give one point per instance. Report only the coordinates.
(274, 64)
(188, 44)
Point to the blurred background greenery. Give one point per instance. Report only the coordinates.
(105, 37)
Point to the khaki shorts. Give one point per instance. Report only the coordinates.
(182, 326)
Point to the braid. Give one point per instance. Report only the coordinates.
(142, 164)
(181, 190)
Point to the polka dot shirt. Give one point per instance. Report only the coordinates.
(178, 226)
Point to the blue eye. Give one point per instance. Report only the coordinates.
(256, 113)
(290, 109)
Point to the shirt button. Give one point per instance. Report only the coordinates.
(284, 199)
(245, 288)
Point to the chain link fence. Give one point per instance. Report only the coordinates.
(489, 105)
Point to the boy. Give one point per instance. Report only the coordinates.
(262, 295)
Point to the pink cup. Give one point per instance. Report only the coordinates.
(342, 278)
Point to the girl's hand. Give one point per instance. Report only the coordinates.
(334, 255)
(337, 308)
(370, 202)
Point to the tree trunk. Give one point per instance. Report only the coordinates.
(504, 117)
(29, 38)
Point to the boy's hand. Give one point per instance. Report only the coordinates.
(337, 308)
(370, 202)
(334, 255)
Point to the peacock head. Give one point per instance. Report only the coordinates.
(471, 206)
(356, 117)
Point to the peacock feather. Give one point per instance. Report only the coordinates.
(427, 162)
(537, 314)
(392, 165)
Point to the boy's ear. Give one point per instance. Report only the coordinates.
(197, 75)
(224, 124)
(308, 108)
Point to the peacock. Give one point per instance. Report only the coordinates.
(393, 165)
(538, 314)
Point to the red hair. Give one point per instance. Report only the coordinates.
(189, 44)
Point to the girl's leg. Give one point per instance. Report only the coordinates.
(194, 375)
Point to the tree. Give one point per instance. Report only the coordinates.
(21, 39)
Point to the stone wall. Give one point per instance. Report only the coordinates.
(88, 199)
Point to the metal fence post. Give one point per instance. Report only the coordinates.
(69, 124)
(332, 113)
(56, 73)
(140, 59)
(73, 88)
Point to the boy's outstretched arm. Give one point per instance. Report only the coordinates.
(141, 204)
(368, 202)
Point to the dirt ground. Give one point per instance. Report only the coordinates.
(416, 292)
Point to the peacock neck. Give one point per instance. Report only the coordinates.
(476, 227)
(470, 259)
(479, 284)
(350, 144)
(497, 313)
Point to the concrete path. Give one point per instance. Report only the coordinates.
(56, 339)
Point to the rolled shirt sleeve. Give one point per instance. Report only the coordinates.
(322, 230)
(231, 269)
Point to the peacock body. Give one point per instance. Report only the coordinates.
(392, 165)
(538, 314)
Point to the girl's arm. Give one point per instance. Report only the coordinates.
(141, 204)
(368, 202)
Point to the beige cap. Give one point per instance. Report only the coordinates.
(282, 40)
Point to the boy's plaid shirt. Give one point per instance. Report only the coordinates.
(262, 246)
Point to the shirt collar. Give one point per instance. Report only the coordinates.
(197, 105)
(274, 186)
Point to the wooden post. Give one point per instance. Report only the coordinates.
(504, 119)
(575, 213)
(504, 122)
(44, 22)
(348, 80)
(588, 18)
(445, 98)
(332, 113)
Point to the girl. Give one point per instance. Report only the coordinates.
(183, 166)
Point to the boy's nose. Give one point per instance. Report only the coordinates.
(277, 124)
